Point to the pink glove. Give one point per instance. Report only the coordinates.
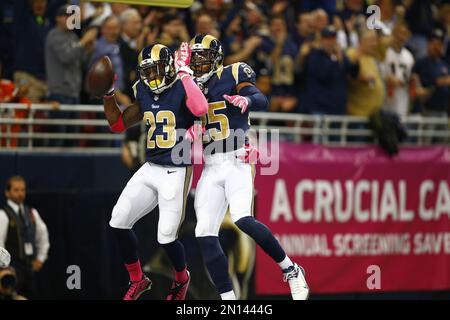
(182, 59)
(194, 133)
(237, 101)
(251, 154)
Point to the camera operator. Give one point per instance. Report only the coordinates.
(8, 283)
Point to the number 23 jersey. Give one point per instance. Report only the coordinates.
(164, 115)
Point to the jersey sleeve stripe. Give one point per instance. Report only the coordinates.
(235, 72)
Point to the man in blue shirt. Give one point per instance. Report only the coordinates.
(326, 70)
(108, 45)
(434, 76)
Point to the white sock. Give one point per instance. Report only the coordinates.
(286, 263)
(228, 295)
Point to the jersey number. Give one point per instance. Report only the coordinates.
(212, 117)
(167, 118)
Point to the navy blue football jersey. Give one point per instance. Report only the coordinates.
(225, 124)
(164, 115)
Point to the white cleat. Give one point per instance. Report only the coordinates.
(295, 276)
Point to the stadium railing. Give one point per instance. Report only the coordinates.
(327, 129)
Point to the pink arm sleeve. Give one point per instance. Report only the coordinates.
(195, 100)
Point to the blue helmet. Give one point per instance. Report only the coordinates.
(156, 68)
(206, 57)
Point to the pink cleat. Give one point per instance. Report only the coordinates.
(179, 290)
(136, 289)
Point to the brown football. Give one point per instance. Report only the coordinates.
(101, 77)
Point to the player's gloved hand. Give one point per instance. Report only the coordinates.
(194, 133)
(251, 154)
(182, 58)
(238, 101)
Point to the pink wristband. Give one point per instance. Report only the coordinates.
(118, 127)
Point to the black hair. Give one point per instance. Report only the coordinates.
(11, 180)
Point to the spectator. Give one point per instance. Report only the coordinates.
(397, 68)
(213, 9)
(347, 35)
(118, 8)
(10, 94)
(388, 14)
(255, 30)
(419, 15)
(108, 45)
(32, 22)
(206, 25)
(283, 54)
(329, 6)
(326, 71)
(129, 47)
(6, 39)
(443, 20)
(352, 8)
(349, 21)
(319, 20)
(256, 21)
(434, 78)
(174, 32)
(444, 23)
(64, 57)
(237, 48)
(24, 234)
(305, 28)
(94, 14)
(366, 91)
(305, 39)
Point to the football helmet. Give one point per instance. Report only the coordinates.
(206, 57)
(156, 68)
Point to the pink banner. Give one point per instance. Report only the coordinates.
(357, 220)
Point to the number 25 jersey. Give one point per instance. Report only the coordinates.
(224, 123)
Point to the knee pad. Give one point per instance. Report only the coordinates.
(204, 229)
(240, 207)
(120, 217)
(167, 232)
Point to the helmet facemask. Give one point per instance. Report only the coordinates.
(204, 63)
(157, 75)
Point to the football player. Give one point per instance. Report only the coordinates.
(227, 178)
(167, 100)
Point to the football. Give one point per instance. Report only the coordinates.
(101, 77)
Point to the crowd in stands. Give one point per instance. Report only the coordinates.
(310, 56)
